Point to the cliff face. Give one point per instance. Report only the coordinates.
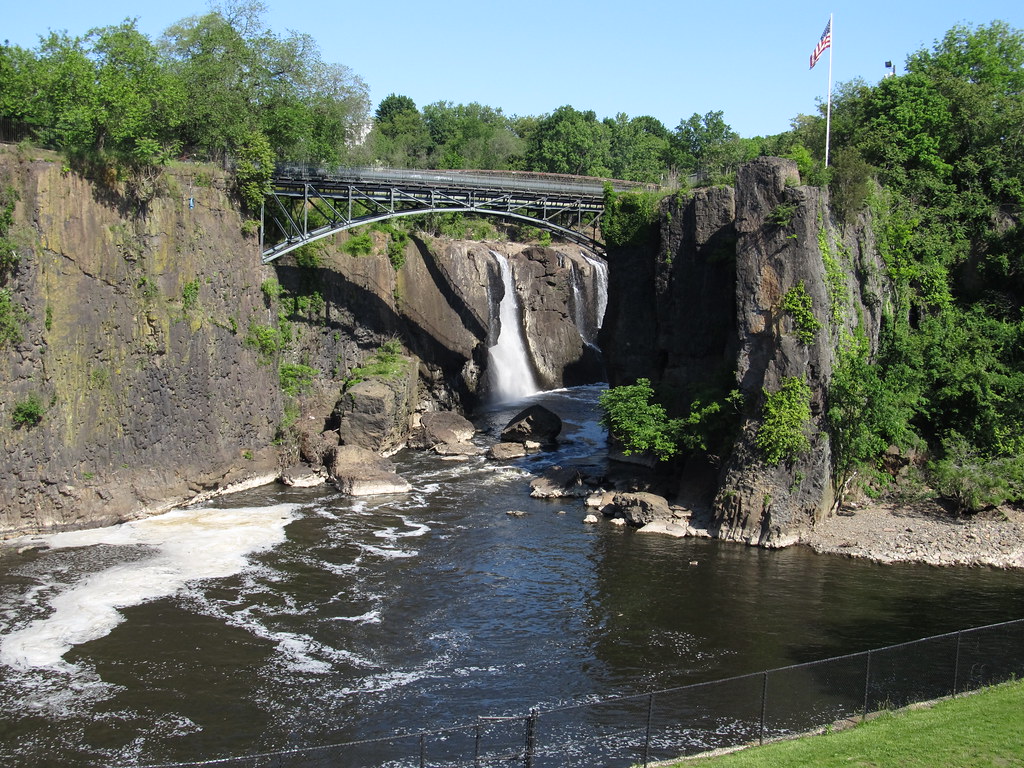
(156, 343)
(713, 296)
(131, 344)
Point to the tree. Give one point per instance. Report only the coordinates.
(638, 148)
(640, 424)
(706, 145)
(569, 141)
(400, 137)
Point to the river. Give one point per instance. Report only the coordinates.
(286, 618)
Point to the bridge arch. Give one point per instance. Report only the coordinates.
(349, 197)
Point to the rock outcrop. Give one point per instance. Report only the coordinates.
(377, 413)
(133, 342)
(705, 315)
(158, 345)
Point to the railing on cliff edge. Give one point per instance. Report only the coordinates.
(667, 724)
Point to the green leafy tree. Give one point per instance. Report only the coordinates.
(706, 144)
(254, 170)
(570, 141)
(631, 416)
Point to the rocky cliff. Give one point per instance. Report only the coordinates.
(164, 362)
(133, 311)
(705, 313)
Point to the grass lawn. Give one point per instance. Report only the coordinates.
(981, 730)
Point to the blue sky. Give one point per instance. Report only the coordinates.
(641, 57)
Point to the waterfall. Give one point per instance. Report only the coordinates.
(601, 284)
(508, 367)
(579, 304)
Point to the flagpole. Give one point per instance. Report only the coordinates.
(828, 109)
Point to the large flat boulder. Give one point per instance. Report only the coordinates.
(358, 471)
(560, 482)
(642, 508)
(444, 428)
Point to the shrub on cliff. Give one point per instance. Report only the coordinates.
(782, 435)
(630, 219)
(11, 319)
(28, 413)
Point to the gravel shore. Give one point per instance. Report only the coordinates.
(923, 532)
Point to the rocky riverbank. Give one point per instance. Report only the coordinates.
(923, 532)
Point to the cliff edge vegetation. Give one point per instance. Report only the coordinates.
(868, 314)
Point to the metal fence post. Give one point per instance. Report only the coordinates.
(764, 705)
(956, 662)
(531, 735)
(647, 737)
(476, 746)
(867, 685)
(423, 750)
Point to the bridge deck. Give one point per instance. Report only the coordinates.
(349, 197)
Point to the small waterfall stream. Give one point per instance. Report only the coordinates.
(601, 283)
(509, 371)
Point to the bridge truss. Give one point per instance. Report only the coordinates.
(309, 203)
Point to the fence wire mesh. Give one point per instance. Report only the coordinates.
(666, 724)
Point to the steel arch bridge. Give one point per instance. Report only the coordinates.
(350, 197)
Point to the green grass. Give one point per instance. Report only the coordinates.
(982, 730)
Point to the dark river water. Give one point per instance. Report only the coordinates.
(288, 618)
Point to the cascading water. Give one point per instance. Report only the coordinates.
(579, 304)
(601, 284)
(509, 371)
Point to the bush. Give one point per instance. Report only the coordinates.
(296, 379)
(190, 295)
(630, 218)
(358, 245)
(386, 363)
(782, 214)
(797, 302)
(974, 482)
(264, 339)
(782, 435)
(641, 425)
(12, 317)
(28, 413)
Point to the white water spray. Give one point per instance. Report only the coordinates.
(511, 376)
(601, 283)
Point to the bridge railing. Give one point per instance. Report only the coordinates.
(521, 181)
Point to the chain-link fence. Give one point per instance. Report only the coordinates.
(666, 724)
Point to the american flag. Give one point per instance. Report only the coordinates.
(823, 44)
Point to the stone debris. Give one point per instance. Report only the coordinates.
(923, 533)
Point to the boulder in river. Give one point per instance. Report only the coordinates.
(536, 423)
(441, 427)
(558, 482)
(360, 472)
(640, 509)
(303, 476)
(506, 451)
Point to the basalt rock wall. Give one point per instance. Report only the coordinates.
(157, 348)
(131, 312)
(705, 309)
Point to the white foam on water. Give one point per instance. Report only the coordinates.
(418, 529)
(388, 553)
(370, 617)
(187, 544)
